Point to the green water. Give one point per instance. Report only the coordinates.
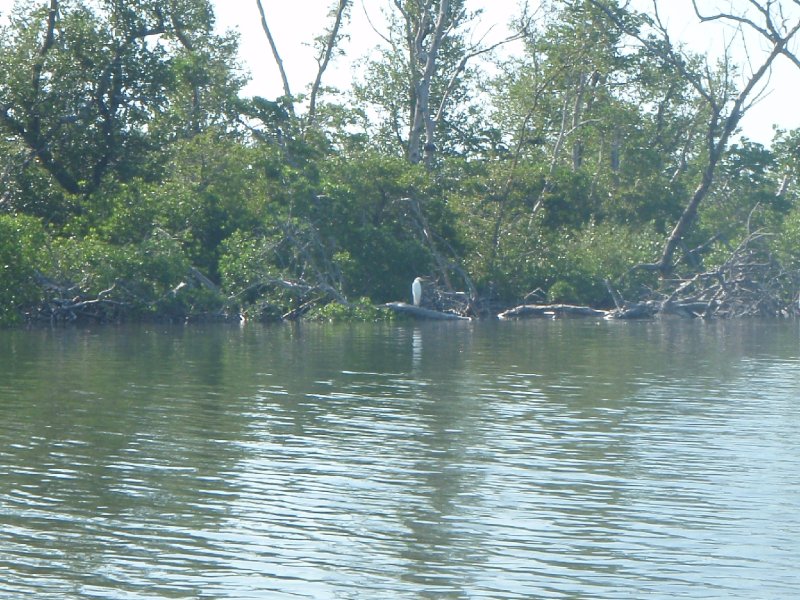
(542, 459)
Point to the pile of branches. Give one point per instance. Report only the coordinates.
(70, 302)
(750, 283)
(441, 299)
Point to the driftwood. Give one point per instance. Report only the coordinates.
(551, 311)
(419, 312)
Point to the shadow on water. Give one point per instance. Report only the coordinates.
(564, 459)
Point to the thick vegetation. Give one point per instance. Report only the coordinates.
(600, 164)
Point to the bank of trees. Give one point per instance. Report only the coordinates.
(597, 163)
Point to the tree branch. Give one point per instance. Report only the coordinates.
(284, 79)
(325, 55)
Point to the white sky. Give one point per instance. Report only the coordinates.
(294, 23)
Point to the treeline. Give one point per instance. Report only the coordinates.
(601, 164)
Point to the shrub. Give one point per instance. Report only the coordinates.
(21, 241)
(363, 310)
(150, 277)
(605, 251)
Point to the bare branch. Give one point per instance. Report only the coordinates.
(462, 65)
(325, 55)
(286, 90)
(375, 29)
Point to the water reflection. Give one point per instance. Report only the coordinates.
(515, 460)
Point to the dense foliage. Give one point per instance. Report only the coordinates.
(137, 181)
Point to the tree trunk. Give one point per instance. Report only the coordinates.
(421, 120)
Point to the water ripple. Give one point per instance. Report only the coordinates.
(485, 464)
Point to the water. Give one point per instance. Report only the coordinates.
(566, 459)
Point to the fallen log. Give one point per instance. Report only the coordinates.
(423, 313)
(635, 310)
(551, 311)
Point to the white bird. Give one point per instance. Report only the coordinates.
(416, 291)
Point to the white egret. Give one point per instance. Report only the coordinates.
(416, 291)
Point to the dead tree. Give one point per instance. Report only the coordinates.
(772, 22)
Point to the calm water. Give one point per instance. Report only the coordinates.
(564, 459)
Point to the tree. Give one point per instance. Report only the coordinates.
(422, 82)
(725, 102)
(85, 87)
(592, 134)
(426, 26)
(590, 112)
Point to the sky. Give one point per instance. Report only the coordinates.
(292, 32)
(296, 22)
